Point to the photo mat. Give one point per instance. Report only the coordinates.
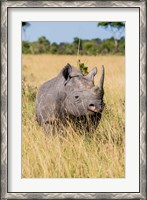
(142, 25)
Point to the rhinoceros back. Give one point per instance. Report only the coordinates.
(48, 101)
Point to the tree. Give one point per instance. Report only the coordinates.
(42, 45)
(25, 25)
(54, 48)
(26, 47)
(88, 47)
(116, 28)
(113, 27)
(78, 44)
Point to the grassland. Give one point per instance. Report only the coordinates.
(74, 154)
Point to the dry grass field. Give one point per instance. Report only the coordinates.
(74, 154)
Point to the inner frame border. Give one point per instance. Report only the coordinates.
(5, 5)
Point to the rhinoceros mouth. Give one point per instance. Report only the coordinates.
(93, 108)
(93, 111)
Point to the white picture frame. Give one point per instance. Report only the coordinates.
(6, 112)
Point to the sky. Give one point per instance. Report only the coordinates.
(65, 31)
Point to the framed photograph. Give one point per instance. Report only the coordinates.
(73, 93)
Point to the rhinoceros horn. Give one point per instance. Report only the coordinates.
(99, 87)
(101, 83)
(91, 74)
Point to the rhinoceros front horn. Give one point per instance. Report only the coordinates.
(101, 83)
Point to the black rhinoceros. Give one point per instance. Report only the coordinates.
(70, 94)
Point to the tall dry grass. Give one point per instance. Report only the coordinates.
(74, 154)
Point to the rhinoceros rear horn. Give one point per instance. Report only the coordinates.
(101, 83)
(66, 71)
(92, 73)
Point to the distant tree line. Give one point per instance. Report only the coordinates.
(83, 47)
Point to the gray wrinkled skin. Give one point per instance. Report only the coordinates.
(70, 95)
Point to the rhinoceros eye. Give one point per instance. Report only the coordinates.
(76, 97)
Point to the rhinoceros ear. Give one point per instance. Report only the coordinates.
(91, 74)
(66, 71)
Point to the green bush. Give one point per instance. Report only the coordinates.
(83, 68)
(78, 46)
(26, 47)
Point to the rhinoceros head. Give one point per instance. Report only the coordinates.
(82, 96)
